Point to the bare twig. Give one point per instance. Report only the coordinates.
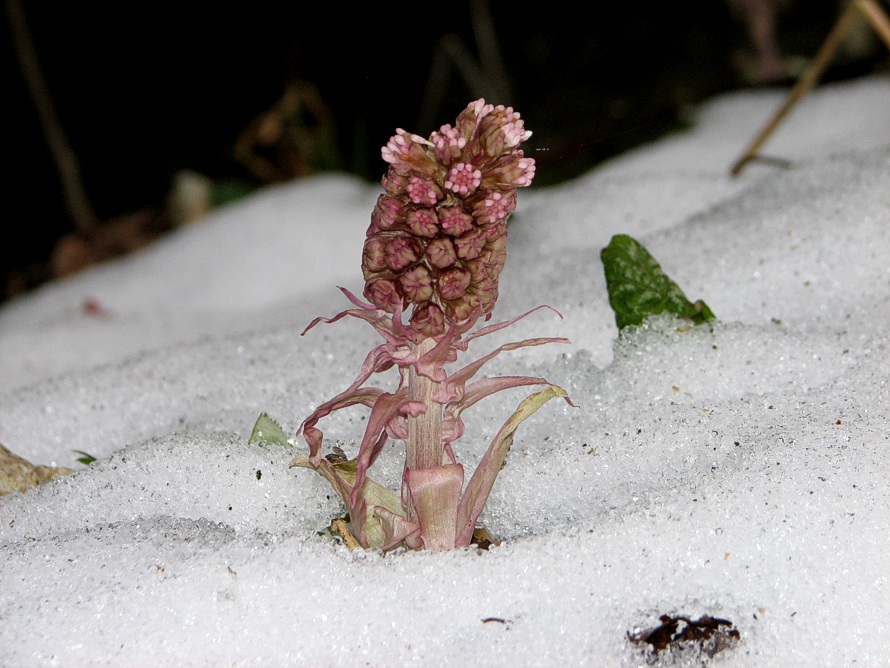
(881, 24)
(76, 201)
(877, 18)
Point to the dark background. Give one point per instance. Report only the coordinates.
(143, 90)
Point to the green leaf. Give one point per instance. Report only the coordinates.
(225, 191)
(638, 288)
(267, 430)
(86, 459)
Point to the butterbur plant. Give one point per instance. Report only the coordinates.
(431, 261)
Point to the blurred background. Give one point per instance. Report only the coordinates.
(125, 122)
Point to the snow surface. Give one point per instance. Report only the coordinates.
(739, 471)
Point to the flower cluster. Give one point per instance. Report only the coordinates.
(438, 235)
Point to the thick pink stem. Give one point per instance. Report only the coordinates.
(435, 495)
(425, 449)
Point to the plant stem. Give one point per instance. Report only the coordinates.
(425, 430)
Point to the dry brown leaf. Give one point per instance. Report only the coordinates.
(17, 474)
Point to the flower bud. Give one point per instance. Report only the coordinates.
(373, 254)
(423, 190)
(463, 179)
(394, 183)
(495, 205)
(453, 283)
(417, 284)
(428, 319)
(448, 144)
(401, 252)
(440, 253)
(408, 153)
(422, 222)
(512, 171)
(469, 245)
(388, 213)
(463, 307)
(502, 130)
(384, 293)
(454, 220)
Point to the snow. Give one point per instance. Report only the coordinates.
(738, 471)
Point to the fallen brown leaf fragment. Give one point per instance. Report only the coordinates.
(18, 474)
(482, 539)
(709, 635)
